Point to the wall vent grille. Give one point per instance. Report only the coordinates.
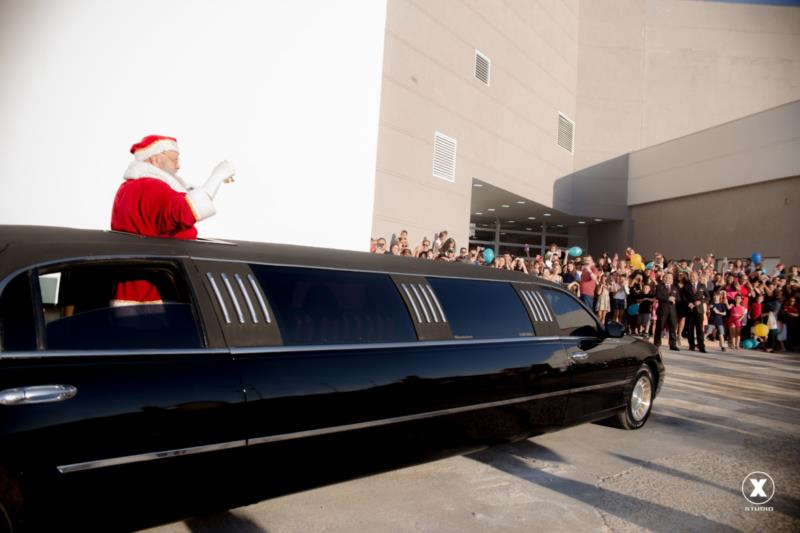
(483, 67)
(444, 157)
(566, 132)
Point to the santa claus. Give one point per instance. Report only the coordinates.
(154, 201)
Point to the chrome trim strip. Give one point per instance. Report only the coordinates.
(247, 299)
(413, 304)
(538, 306)
(260, 297)
(234, 299)
(114, 461)
(111, 353)
(422, 416)
(421, 303)
(34, 354)
(544, 306)
(541, 306)
(430, 303)
(219, 297)
(436, 301)
(531, 307)
(385, 345)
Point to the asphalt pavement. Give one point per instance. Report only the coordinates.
(720, 417)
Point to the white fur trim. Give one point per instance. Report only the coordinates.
(125, 303)
(164, 145)
(142, 169)
(201, 204)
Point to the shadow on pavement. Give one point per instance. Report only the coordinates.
(784, 504)
(645, 514)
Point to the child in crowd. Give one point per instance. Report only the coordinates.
(646, 300)
(620, 289)
(716, 322)
(736, 317)
(773, 344)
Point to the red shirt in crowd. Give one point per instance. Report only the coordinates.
(755, 312)
(737, 314)
(588, 285)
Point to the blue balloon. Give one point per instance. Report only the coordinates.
(575, 251)
(649, 266)
(756, 257)
(488, 255)
(633, 309)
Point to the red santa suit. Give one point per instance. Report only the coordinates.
(154, 203)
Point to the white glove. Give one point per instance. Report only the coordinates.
(222, 173)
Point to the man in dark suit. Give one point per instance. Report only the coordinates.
(667, 293)
(695, 295)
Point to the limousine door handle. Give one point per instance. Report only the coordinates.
(37, 394)
(579, 356)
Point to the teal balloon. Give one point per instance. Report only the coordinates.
(756, 257)
(649, 266)
(575, 251)
(633, 309)
(749, 344)
(488, 255)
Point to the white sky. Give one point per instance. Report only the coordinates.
(288, 91)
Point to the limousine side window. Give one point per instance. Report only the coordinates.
(80, 313)
(17, 326)
(319, 306)
(573, 320)
(482, 309)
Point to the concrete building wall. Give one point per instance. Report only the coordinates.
(654, 70)
(762, 147)
(506, 132)
(762, 217)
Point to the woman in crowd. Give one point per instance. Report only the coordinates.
(681, 306)
(570, 274)
(790, 317)
(602, 298)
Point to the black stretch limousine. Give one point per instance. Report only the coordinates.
(271, 368)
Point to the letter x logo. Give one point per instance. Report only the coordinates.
(758, 488)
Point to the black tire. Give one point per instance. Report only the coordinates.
(10, 502)
(639, 401)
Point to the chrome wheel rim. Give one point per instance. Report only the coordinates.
(641, 398)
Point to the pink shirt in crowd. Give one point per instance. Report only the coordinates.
(737, 314)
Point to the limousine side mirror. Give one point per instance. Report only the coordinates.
(615, 329)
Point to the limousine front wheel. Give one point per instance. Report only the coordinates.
(639, 401)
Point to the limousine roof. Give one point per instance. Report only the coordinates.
(23, 247)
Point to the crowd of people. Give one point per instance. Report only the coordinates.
(735, 303)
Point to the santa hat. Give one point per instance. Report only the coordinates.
(152, 145)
